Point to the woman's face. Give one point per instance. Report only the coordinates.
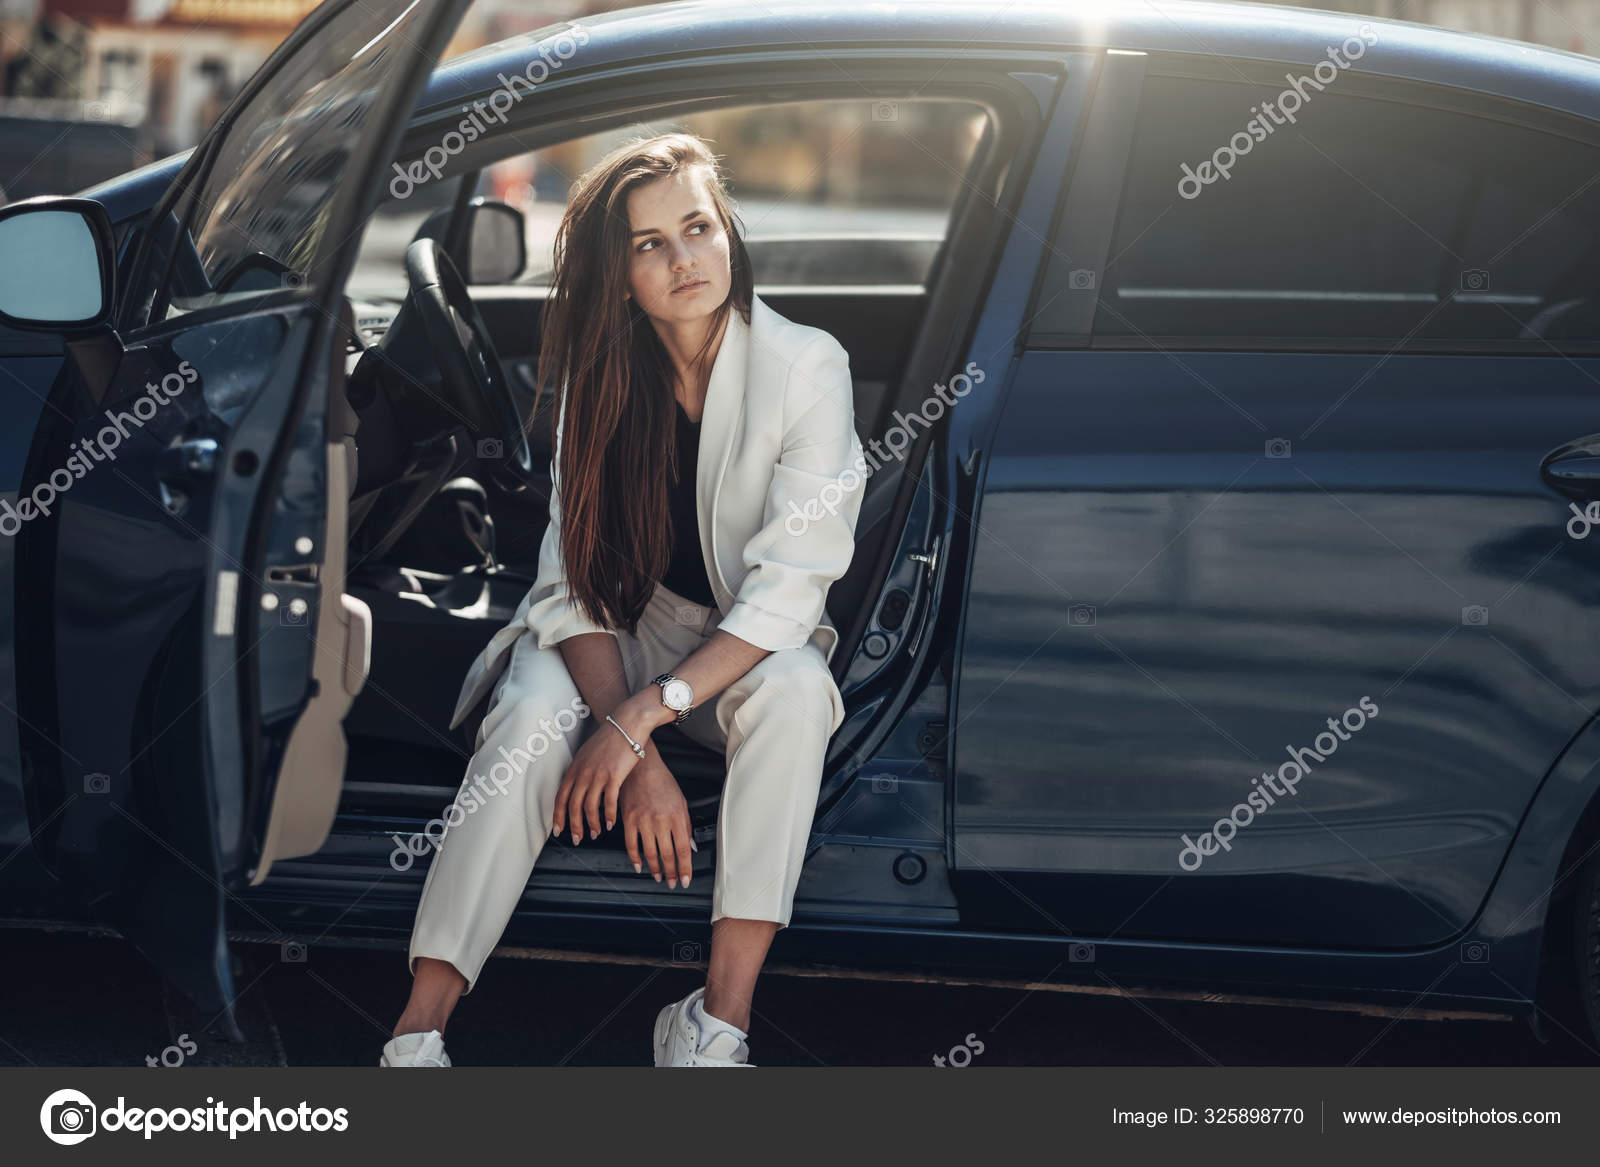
(678, 242)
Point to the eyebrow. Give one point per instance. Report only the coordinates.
(685, 219)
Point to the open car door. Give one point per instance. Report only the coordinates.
(185, 650)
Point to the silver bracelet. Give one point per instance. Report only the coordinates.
(637, 748)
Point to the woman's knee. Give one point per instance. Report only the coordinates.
(523, 727)
(536, 690)
(798, 679)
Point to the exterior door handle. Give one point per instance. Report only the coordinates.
(1574, 468)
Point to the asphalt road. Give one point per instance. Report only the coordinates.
(75, 1000)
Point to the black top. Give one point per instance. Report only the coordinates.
(686, 574)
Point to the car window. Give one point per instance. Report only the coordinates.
(829, 192)
(380, 268)
(259, 219)
(1364, 220)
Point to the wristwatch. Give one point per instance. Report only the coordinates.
(676, 695)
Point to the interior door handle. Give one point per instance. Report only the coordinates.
(180, 466)
(189, 459)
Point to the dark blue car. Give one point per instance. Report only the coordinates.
(1233, 623)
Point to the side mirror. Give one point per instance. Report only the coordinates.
(489, 244)
(497, 242)
(57, 267)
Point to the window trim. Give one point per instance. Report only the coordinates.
(1086, 214)
(1115, 153)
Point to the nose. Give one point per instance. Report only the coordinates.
(681, 257)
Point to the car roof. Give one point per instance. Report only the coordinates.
(1513, 69)
(1552, 78)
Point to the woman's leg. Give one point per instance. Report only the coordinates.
(777, 720)
(435, 988)
(506, 802)
(738, 950)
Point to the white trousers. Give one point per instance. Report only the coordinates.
(772, 725)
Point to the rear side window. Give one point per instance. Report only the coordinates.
(1363, 220)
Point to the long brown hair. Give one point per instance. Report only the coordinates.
(619, 434)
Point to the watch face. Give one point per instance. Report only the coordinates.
(676, 694)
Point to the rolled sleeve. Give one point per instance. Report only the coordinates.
(807, 535)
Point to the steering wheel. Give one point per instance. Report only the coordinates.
(468, 364)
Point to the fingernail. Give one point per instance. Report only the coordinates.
(593, 834)
(610, 823)
(693, 846)
(576, 838)
(686, 880)
(658, 878)
(638, 870)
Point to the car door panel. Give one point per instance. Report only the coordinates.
(1195, 610)
(1194, 555)
(193, 646)
(25, 885)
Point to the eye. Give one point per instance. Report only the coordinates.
(643, 245)
(700, 223)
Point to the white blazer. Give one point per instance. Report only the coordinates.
(778, 492)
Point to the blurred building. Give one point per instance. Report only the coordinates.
(1573, 25)
(169, 66)
(488, 21)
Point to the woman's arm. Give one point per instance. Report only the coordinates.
(594, 661)
(805, 542)
(709, 669)
(654, 812)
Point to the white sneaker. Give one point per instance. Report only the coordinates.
(686, 1035)
(415, 1050)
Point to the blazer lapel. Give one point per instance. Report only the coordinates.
(719, 422)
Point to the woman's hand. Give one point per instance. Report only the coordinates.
(655, 820)
(597, 773)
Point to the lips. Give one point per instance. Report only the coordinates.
(689, 287)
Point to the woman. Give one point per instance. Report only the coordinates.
(674, 585)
